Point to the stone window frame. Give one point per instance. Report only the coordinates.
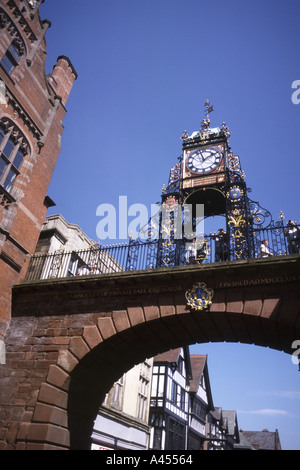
(19, 144)
(11, 58)
(16, 49)
(142, 399)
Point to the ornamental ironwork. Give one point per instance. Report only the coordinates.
(164, 242)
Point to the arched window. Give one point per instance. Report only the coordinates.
(12, 152)
(12, 57)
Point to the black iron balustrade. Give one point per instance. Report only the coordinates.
(146, 254)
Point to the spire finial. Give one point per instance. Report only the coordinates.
(206, 121)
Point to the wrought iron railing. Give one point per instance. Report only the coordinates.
(147, 254)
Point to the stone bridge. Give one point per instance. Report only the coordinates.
(70, 339)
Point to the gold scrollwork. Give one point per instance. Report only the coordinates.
(236, 219)
(167, 229)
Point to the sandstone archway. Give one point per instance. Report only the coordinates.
(70, 339)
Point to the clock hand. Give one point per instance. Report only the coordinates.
(209, 158)
(209, 155)
(198, 156)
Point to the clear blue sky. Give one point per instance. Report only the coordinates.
(144, 71)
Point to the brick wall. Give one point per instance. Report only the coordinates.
(36, 109)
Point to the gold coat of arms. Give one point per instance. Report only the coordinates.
(199, 297)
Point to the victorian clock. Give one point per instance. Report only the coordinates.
(209, 176)
(204, 160)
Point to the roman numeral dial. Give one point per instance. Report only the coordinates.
(204, 160)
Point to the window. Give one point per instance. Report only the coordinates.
(199, 410)
(180, 365)
(182, 399)
(158, 386)
(175, 436)
(142, 399)
(157, 439)
(11, 58)
(178, 396)
(117, 395)
(11, 158)
(174, 393)
(202, 382)
(157, 422)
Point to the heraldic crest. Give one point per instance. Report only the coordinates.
(199, 296)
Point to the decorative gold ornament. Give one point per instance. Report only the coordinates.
(238, 234)
(238, 220)
(199, 297)
(167, 229)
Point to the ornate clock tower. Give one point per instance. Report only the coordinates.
(205, 157)
(207, 177)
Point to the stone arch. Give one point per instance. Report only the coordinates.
(112, 322)
(76, 385)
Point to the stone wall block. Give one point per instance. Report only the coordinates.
(58, 377)
(92, 336)
(78, 347)
(166, 306)
(48, 433)
(50, 414)
(151, 312)
(106, 327)
(120, 320)
(53, 396)
(66, 360)
(234, 302)
(253, 307)
(136, 315)
(218, 302)
(270, 307)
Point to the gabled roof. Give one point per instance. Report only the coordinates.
(168, 356)
(198, 363)
(244, 443)
(232, 425)
(199, 368)
(172, 356)
(216, 413)
(262, 440)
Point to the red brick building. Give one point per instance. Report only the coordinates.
(32, 109)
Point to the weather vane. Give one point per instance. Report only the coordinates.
(209, 109)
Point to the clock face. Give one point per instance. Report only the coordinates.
(204, 160)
